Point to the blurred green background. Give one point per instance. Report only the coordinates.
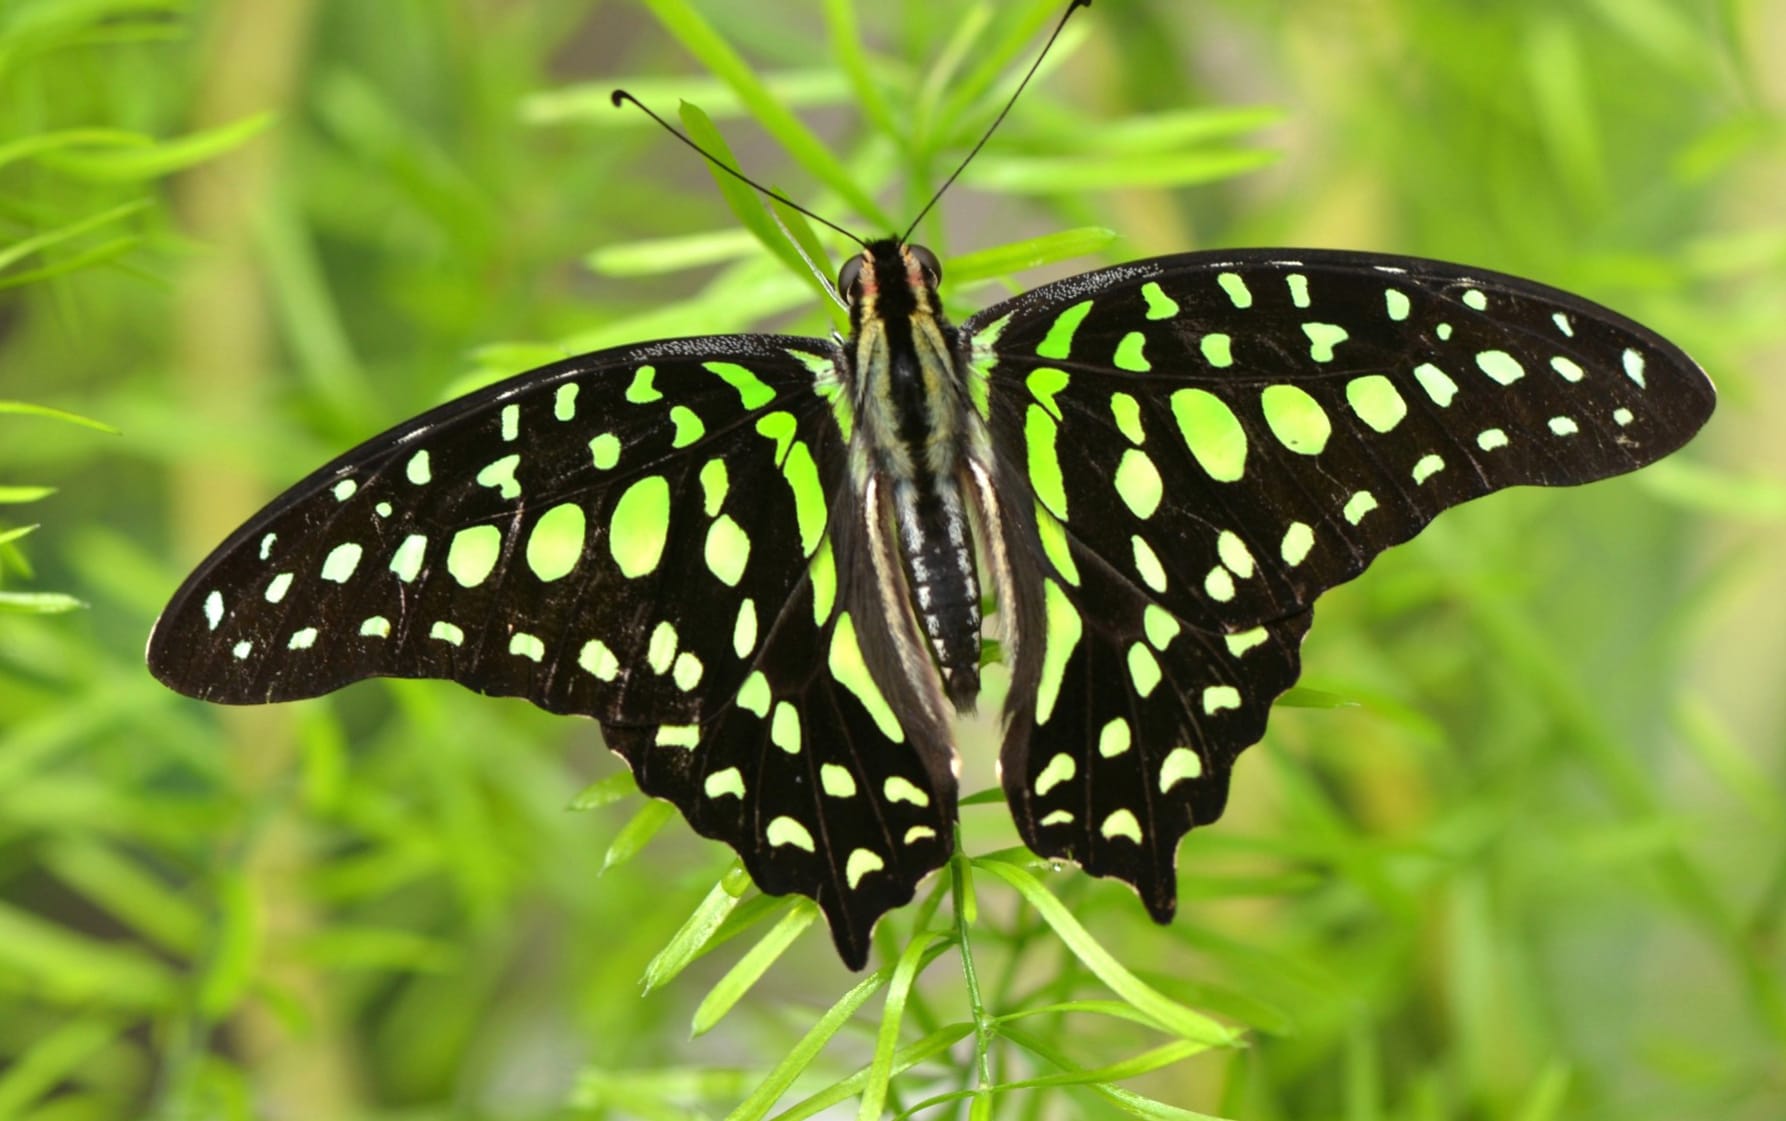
(1536, 871)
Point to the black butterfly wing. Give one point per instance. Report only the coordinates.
(1212, 440)
(640, 535)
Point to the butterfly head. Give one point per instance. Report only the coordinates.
(888, 279)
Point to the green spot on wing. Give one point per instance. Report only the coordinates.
(809, 496)
(1296, 419)
(1218, 349)
(501, 475)
(641, 391)
(727, 551)
(556, 543)
(640, 526)
(1039, 433)
(752, 393)
(605, 450)
(1235, 286)
(1059, 341)
(1127, 412)
(1159, 305)
(846, 665)
(1043, 383)
(473, 554)
(1129, 354)
(688, 426)
(715, 482)
(1064, 631)
(1376, 401)
(1212, 432)
(1322, 338)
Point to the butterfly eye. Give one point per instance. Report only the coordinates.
(847, 278)
(928, 262)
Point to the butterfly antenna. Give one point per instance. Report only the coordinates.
(993, 127)
(621, 97)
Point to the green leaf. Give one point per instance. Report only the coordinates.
(1066, 175)
(154, 160)
(691, 939)
(880, 1071)
(38, 603)
(18, 496)
(1300, 696)
(1127, 1101)
(592, 103)
(1003, 260)
(1168, 1014)
(19, 250)
(638, 832)
(29, 146)
(698, 37)
(60, 1055)
(657, 256)
(751, 967)
(8, 536)
(770, 1090)
(45, 411)
(744, 200)
(907, 1057)
(617, 787)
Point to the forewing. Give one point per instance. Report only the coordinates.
(1211, 441)
(587, 536)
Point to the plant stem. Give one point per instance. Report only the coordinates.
(958, 873)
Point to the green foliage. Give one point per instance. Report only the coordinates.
(1517, 852)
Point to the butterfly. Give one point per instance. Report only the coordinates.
(759, 561)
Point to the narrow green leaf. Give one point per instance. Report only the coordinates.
(7, 537)
(1167, 1013)
(647, 823)
(62, 266)
(814, 258)
(847, 48)
(72, 968)
(745, 202)
(155, 160)
(229, 968)
(880, 1071)
(1300, 696)
(936, 1043)
(657, 256)
(30, 146)
(22, 408)
(1145, 1063)
(698, 37)
(1047, 175)
(690, 941)
(1548, 1095)
(756, 962)
(39, 603)
(1128, 1101)
(1003, 260)
(19, 250)
(60, 1055)
(617, 787)
(123, 888)
(770, 1090)
(591, 103)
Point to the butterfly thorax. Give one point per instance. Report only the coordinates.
(916, 429)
